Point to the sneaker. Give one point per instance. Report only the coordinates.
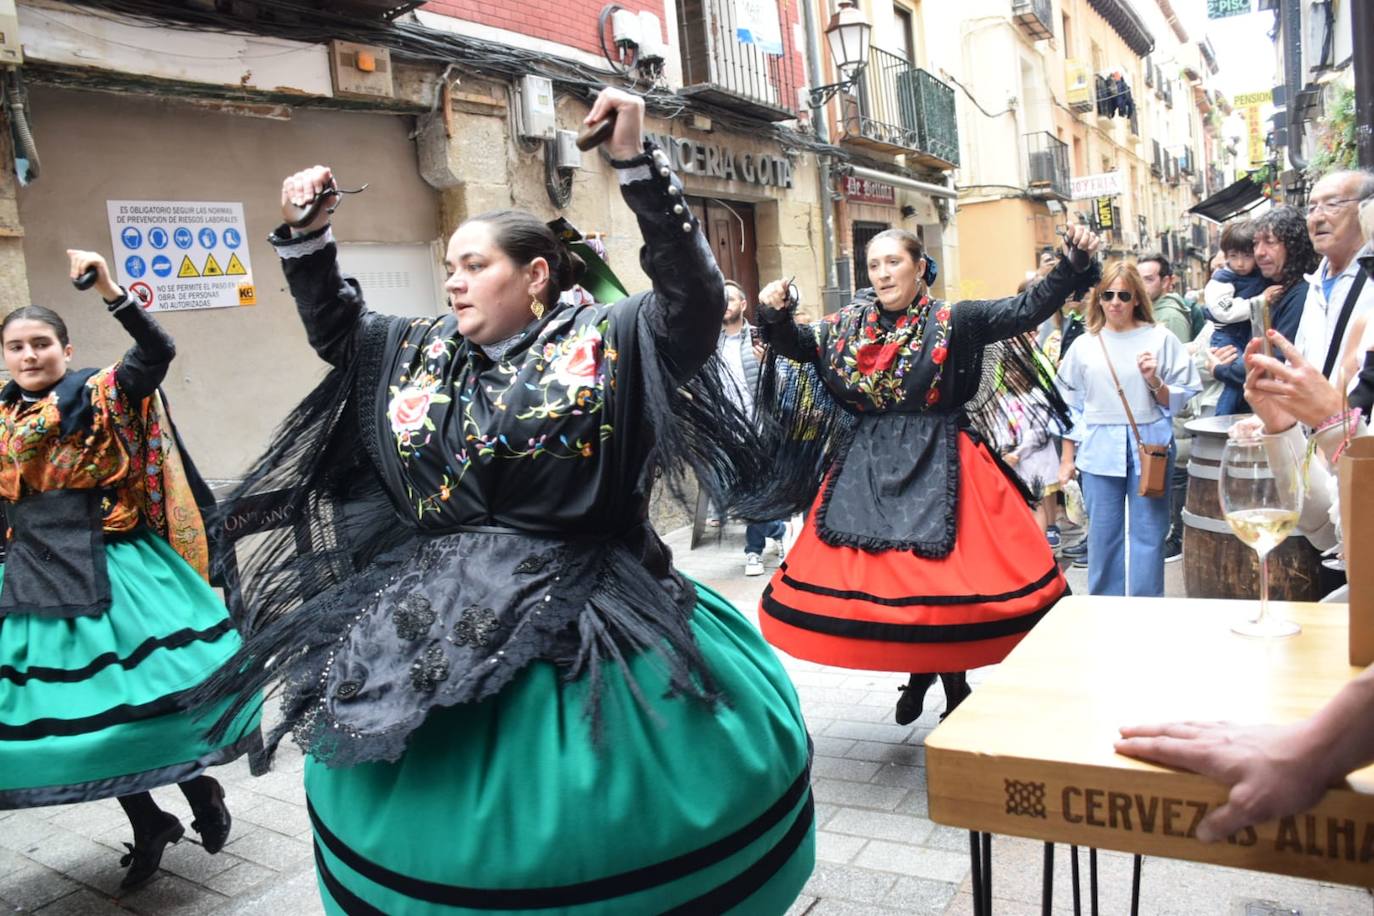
(775, 545)
(1172, 551)
(753, 565)
(1081, 562)
(1052, 535)
(1074, 551)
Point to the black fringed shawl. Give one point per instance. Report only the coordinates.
(496, 511)
(866, 409)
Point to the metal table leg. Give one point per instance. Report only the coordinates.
(1077, 888)
(1047, 882)
(1135, 887)
(976, 860)
(1092, 878)
(987, 874)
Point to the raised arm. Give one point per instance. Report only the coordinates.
(983, 321)
(685, 308)
(330, 305)
(780, 330)
(144, 365)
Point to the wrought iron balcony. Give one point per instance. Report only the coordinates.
(1047, 162)
(900, 108)
(1035, 16)
(1157, 161)
(718, 67)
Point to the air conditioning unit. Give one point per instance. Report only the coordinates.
(1041, 168)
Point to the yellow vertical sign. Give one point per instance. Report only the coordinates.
(1254, 129)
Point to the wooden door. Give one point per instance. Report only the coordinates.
(729, 228)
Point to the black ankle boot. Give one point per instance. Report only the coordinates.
(956, 690)
(145, 853)
(913, 698)
(212, 821)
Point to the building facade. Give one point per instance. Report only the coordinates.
(1078, 110)
(444, 111)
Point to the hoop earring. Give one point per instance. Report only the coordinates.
(537, 307)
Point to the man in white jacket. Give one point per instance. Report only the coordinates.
(1339, 292)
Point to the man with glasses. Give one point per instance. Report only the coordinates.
(1340, 291)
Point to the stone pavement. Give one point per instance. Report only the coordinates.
(878, 852)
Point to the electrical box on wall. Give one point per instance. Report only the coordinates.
(360, 71)
(566, 153)
(11, 54)
(537, 117)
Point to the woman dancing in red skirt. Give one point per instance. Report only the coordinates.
(920, 552)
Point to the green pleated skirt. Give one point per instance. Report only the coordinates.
(510, 806)
(93, 707)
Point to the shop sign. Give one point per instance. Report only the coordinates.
(1106, 218)
(869, 191)
(1220, 9)
(1108, 184)
(1254, 131)
(711, 160)
(182, 254)
(1246, 99)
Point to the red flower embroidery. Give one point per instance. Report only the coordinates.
(871, 333)
(933, 397)
(938, 355)
(943, 313)
(872, 358)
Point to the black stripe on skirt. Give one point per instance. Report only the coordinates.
(586, 892)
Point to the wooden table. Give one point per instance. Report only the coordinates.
(1029, 753)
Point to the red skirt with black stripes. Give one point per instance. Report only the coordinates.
(892, 610)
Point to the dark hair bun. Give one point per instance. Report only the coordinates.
(571, 268)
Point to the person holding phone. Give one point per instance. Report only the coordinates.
(1123, 382)
(740, 349)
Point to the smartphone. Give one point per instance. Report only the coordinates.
(1260, 323)
(755, 339)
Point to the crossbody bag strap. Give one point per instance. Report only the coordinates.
(1117, 382)
(1333, 349)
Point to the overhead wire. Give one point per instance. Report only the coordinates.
(410, 40)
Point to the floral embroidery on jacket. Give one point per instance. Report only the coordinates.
(876, 363)
(552, 388)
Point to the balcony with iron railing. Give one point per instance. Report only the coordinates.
(1036, 17)
(1047, 166)
(718, 67)
(1157, 160)
(899, 108)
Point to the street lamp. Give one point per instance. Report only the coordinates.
(848, 35)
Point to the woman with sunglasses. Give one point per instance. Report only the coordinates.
(1157, 378)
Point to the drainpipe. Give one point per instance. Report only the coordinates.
(1290, 16)
(830, 293)
(1361, 30)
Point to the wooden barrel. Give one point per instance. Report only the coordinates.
(1216, 563)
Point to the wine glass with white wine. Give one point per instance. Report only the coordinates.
(1261, 487)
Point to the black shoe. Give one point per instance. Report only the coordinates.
(913, 698)
(1173, 550)
(1074, 551)
(956, 691)
(145, 853)
(212, 819)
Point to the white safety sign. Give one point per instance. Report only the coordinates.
(182, 254)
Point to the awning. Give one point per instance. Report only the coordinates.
(1230, 201)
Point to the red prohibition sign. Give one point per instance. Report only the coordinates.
(143, 291)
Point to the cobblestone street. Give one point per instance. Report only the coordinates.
(878, 852)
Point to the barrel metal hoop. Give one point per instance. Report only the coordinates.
(1206, 523)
